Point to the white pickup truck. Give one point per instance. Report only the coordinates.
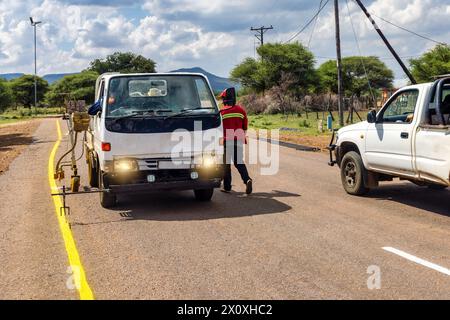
(409, 138)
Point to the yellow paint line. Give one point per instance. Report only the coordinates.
(72, 253)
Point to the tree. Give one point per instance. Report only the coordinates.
(79, 86)
(282, 94)
(432, 63)
(125, 62)
(247, 74)
(6, 96)
(276, 59)
(23, 89)
(354, 77)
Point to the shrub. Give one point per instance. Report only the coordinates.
(304, 124)
(24, 112)
(254, 104)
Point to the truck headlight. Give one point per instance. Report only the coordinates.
(125, 165)
(208, 161)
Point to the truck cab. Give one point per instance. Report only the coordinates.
(409, 138)
(154, 132)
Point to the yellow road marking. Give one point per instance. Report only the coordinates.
(69, 242)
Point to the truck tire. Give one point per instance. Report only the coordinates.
(92, 170)
(107, 199)
(204, 195)
(353, 174)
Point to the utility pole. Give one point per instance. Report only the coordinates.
(260, 33)
(386, 42)
(339, 64)
(34, 24)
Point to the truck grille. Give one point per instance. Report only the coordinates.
(164, 164)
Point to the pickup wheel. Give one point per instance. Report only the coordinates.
(107, 199)
(352, 174)
(204, 194)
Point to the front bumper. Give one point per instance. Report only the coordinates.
(136, 182)
(333, 148)
(157, 186)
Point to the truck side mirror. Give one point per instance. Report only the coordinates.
(372, 116)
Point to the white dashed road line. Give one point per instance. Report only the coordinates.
(418, 260)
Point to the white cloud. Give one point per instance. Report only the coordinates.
(214, 35)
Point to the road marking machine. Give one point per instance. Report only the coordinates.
(77, 120)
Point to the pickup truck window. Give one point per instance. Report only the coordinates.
(401, 108)
(432, 118)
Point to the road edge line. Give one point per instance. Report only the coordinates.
(418, 260)
(77, 269)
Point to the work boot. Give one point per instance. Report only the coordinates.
(249, 186)
(226, 189)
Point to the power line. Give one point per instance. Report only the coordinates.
(386, 42)
(308, 23)
(314, 26)
(381, 58)
(410, 31)
(359, 50)
(407, 30)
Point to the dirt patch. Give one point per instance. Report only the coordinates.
(320, 142)
(14, 138)
(311, 141)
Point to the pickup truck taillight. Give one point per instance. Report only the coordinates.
(106, 146)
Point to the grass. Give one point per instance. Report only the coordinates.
(22, 114)
(294, 124)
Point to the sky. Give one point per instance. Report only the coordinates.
(212, 34)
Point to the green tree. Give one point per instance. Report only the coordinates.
(432, 63)
(354, 77)
(125, 62)
(276, 59)
(79, 86)
(247, 74)
(23, 89)
(6, 96)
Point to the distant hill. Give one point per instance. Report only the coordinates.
(56, 76)
(49, 77)
(10, 76)
(217, 83)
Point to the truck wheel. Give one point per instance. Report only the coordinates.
(204, 194)
(437, 187)
(352, 174)
(92, 170)
(107, 199)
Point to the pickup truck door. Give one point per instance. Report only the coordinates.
(432, 148)
(389, 140)
(432, 153)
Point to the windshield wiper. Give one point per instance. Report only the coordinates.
(149, 112)
(187, 111)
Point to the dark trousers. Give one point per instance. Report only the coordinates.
(234, 152)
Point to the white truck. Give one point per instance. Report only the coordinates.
(154, 132)
(409, 138)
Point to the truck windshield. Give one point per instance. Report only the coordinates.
(159, 95)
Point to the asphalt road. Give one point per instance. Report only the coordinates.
(299, 236)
